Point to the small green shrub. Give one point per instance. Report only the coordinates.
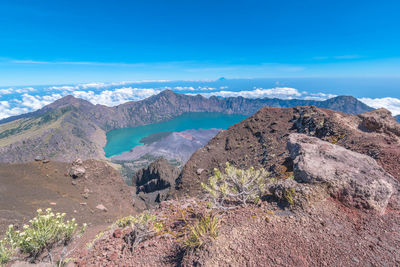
(236, 185)
(203, 231)
(144, 226)
(289, 195)
(96, 238)
(5, 253)
(125, 221)
(140, 220)
(44, 231)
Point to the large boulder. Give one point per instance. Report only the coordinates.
(353, 178)
(77, 170)
(380, 121)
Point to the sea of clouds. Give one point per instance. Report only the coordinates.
(15, 101)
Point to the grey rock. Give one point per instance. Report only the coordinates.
(292, 193)
(38, 158)
(158, 176)
(199, 171)
(101, 207)
(77, 162)
(77, 172)
(355, 179)
(380, 121)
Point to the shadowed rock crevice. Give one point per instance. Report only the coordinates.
(154, 182)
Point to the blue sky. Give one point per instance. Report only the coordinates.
(59, 42)
(311, 48)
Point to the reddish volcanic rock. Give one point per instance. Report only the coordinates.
(117, 233)
(260, 141)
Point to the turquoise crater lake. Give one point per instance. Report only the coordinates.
(123, 140)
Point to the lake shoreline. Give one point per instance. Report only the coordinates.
(125, 139)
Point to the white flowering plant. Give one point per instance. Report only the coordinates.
(44, 231)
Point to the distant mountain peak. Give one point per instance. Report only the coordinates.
(344, 97)
(69, 100)
(167, 92)
(346, 104)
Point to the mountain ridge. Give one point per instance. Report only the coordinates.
(358, 107)
(81, 131)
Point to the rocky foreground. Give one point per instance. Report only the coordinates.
(332, 197)
(343, 211)
(325, 234)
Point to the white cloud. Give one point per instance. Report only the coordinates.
(182, 88)
(6, 91)
(317, 96)
(190, 88)
(9, 91)
(116, 96)
(4, 104)
(63, 88)
(205, 88)
(37, 102)
(93, 85)
(7, 111)
(390, 103)
(112, 97)
(278, 92)
(25, 90)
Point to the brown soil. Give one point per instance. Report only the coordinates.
(326, 234)
(26, 187)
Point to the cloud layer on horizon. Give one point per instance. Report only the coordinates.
(277, 92)
(15, 101)
(390, 103)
